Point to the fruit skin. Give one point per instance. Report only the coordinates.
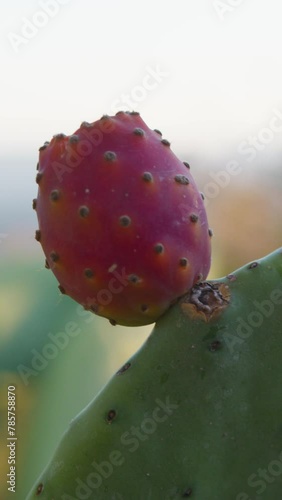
(220, 438)
(121, 221)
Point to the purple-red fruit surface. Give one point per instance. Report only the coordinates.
(121, 221)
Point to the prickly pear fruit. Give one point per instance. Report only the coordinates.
(121, 221)
(196, 412)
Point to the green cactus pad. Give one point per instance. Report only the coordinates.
(196, 412)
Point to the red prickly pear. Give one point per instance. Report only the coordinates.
(121, 221)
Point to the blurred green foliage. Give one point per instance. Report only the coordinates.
(56, 374)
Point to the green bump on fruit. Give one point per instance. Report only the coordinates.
(196, 412)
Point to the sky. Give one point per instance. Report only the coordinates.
(207, 73)
(215, 67)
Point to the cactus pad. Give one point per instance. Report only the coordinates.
(196, 412)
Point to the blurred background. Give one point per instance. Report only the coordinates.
(208, 74)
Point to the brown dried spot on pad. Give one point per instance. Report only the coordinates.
(194, 218)
(34, 203)
(38, 235)
(206, 300)
(186, 164)
(62, 290)
(187, 493)
(231, 277)
(123, 369)
(165, 142)
(181, 179)
(139, 131)
(88, 273)
(55, 195)
(110, 156)
(253, 265)
(39, 489)
(54, 256)
(83, 211)
(215, 345)
(147, 177)
(111, 416)
(183, 262)
(113, 322)
(125, 220)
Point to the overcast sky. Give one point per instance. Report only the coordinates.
(206, 72)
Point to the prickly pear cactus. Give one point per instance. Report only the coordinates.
(197, 412)
(121, 221)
